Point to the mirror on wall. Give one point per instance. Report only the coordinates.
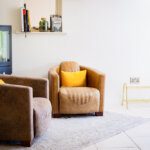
(38, 9)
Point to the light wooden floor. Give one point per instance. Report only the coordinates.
(137, 138)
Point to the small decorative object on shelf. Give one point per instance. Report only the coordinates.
(134, 80)
(43, 25)
(34, 29)
(56, 23)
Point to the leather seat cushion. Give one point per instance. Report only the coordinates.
(79, 100)
(42, 115)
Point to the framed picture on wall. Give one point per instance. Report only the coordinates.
(56, 23)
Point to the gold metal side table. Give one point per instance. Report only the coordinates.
(126, 88)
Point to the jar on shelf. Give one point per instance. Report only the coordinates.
(43, 25)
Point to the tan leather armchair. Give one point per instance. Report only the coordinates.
(76, 100)
(25, 109)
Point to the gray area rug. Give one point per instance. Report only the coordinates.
(75, 133)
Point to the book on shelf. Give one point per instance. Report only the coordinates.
(22, 19)
(29, 22)
(25, 19)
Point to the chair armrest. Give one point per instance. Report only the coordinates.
(96, 79)
(40, 85)
(16, 113)
(54, 86)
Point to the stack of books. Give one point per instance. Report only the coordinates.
(25, 19)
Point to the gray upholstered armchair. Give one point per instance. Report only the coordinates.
(25, 109)
(76, 100)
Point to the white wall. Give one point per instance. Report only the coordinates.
(110, 35)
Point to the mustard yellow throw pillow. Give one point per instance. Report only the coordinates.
(1, 82)
(73, 79)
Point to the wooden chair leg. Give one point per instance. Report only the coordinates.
(98, 113)
(56, 115)
(26, 143)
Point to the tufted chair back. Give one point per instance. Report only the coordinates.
(69, 66)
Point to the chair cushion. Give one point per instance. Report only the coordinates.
(73, 79)
(79, 100)
(42, 114)
(69, 66)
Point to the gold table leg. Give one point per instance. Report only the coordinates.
(125, 96)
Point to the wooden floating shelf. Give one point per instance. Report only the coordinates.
(52, 33)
